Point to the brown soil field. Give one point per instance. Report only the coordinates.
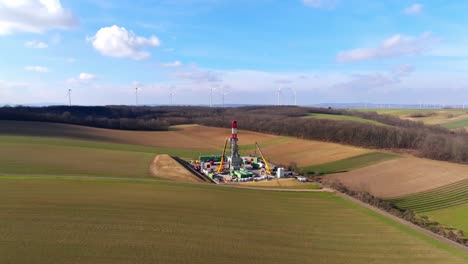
(404, 176)
(185, 136)
(165, 167)
(308, 152)
(456, 118)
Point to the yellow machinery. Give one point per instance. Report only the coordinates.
(267, 168)
(223, 157)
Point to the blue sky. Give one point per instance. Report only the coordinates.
(326, 50)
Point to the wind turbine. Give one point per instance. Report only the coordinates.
(136, 96)
(69, 96)
(171, 94)
(211, 95)
(279, 95)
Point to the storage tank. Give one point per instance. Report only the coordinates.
(280, 173)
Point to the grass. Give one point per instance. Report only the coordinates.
(345, 118)
(456, 124)
(447, 205)
(438, 116)
(455, 216)
(56, 220)
(404, 112)
(351, 163)
(59, 156)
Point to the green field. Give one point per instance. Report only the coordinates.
(455, 216)
(345, 118)
(69, 220)
(456, 124)
(434, 116)
(404, 112)
(351, 163)
(447, 205)
(59, 156)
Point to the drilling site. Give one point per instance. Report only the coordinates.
(231, 166)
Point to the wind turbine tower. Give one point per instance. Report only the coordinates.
(211, 95)
(279, 96)
(69, 97)
(136, 96)
(171, 94)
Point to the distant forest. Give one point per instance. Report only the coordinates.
(432, 142)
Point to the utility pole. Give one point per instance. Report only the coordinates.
(69, 97)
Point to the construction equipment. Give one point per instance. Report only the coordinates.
(223, 157)
(267, 168)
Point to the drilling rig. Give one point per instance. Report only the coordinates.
(235, 159)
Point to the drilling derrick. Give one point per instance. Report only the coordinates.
(236, 160)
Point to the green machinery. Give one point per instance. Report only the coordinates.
(208, 158)
(242, 173)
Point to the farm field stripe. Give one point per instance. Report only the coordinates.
(453, 186)
(174, 223)
(346, 197)
(446, 196)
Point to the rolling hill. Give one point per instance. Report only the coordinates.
(187, 141)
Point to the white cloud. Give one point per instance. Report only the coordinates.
(82, 78)
(33, 16)
(118, 42)
(86, 77)
(172, 64)
(367, 81)
(34, 44)
(325, 4)
(395, 46)
(39, 69)
(414, 9)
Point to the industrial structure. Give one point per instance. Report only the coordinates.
(234, 167)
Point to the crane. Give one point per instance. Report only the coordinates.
(267, 168)
(220, 168)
